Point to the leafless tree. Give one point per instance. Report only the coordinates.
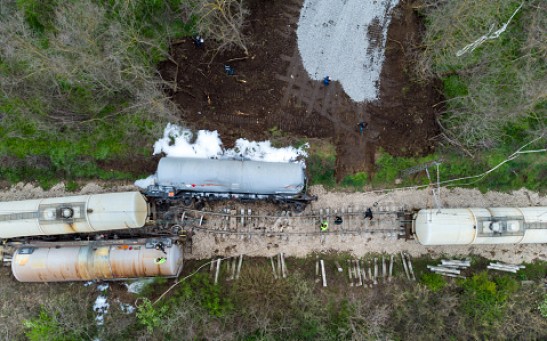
(220, 20)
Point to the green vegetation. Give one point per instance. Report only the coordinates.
(79, 84)
(150, 317)
(500, 86)
(535, 271)
(357, 180)
(484, 299)
(321, 164)
(47, 327)
(433, 281)
(543, 307)
(495, 99)
(257, 306)
(526, 170)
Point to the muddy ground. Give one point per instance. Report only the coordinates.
(272, 90)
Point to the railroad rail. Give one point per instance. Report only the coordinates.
(245, 222)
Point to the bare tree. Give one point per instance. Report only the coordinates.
(220, 20)
(501, 82)
(90, 62)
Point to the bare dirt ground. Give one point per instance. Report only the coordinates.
(271, 89)
(207, 246)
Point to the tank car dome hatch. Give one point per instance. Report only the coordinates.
(74, 214)
(95, 262)
(503, 225)
(67, 212)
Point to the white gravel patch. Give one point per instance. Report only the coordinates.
(334, 41)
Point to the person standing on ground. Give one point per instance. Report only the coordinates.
(368, 213)
(362, 127)
(324, 226)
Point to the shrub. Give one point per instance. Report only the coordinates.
(543, 307)
(357, 180)
(208, 295)
(483, 299)
(80, 83)
(150, 317)
(321, 169)
(433, 281)
(47, 327)
(499, 83)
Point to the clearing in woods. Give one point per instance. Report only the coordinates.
(272, 90)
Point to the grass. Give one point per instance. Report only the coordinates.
(495, 87)
(257, 306)
(495, 100)
(321, 163)
(484, 299)
(525, 171)
(65, 117)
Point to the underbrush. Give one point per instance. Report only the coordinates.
(496, 91)
(495, 99)
(523, 171)
(259, 307)
(80, 88)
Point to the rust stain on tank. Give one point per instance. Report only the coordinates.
(77, 267)
(71, 227)
(114, 268)
(123, 267)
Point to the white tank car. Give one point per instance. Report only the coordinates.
(464, 226)
(96, 262)
(231, 176)
(75, 214)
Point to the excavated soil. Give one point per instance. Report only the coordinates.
(272, 90)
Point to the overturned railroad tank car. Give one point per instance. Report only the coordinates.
(464, 226)
(73, 214)
(93, 261)
(212, 178)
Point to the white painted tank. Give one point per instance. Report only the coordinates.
(229, 176)
(462, 226)
(92, 262)
(75, 214)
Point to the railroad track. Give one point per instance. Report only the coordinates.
(245, 222)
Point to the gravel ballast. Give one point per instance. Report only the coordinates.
(345, 40)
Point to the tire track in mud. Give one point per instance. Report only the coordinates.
(355, 151)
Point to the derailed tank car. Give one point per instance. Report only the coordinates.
(96, 261)
(464, 226)
(73, 215)
(191, 179)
